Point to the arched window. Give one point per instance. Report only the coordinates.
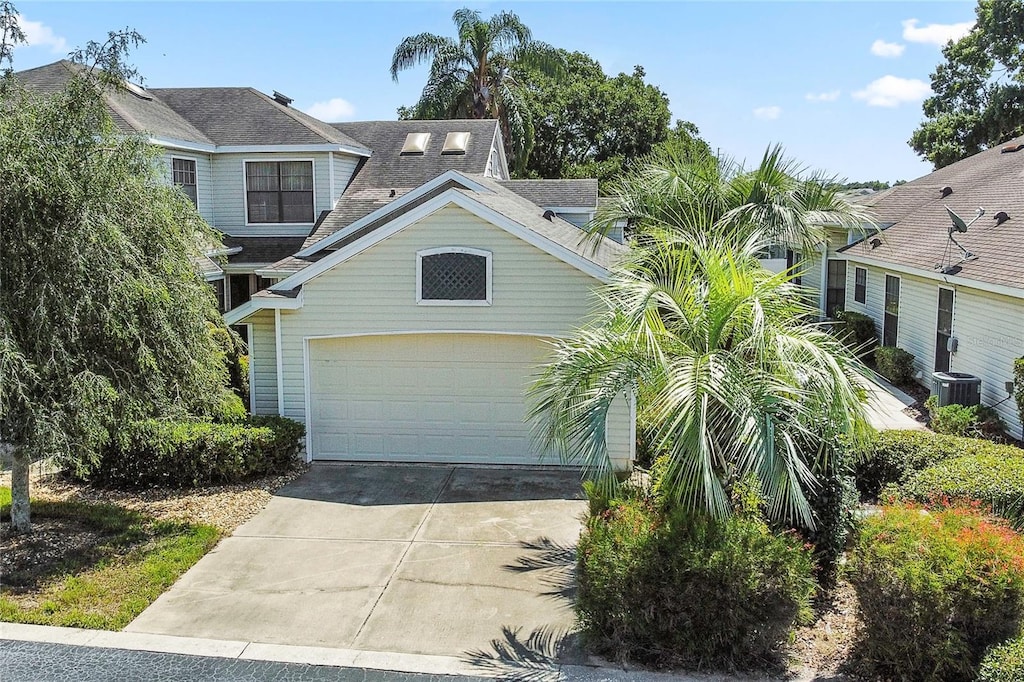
(453, 275)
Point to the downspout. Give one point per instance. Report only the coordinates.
(280, 362)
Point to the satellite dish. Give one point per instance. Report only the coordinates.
(958, 223)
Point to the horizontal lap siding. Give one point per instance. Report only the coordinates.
(263, 355)
(375, 292)
(204, 179)
(989, 329)
(229, 192)
(344, 167)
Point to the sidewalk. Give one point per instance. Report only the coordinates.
(885, 407)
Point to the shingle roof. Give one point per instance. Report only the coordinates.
(918, 232)
(132, 113)
(388, 174)
(244, 116)
(559, 193)
(262, 249)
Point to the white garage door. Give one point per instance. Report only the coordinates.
(423, 398)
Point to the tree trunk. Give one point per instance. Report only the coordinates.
(20, 519)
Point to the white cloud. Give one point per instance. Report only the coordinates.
(332, 110)
(767, 113)
(880, 48)
(935, 34)
(830, 96)
(892, 91)
(38, 34)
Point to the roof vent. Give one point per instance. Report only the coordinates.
(875, 243)
(392, 194)
(1001, 217)
(549, 214)
(282, 99)
(455, 143)
(946, 191)
(415, 143)
(1011, 148)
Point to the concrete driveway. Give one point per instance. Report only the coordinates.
(418, 559)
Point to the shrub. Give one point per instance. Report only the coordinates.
(975, 421)
(895, 364)
(892, 456)
(235, 361)
(834, 502)
(935, 589)
(858, 331)
(182, 454)
(995, 480)
(231, 409)
(1004, 663)
(665, 588)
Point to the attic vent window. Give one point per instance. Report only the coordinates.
(455, 143)
(1011, 148)
(416, 143)
(453, 276)
(282, 99)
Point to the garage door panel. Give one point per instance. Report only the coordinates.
(423, 397)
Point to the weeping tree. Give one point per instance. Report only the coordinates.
(732, 376)
(103, 317)
(473, 74)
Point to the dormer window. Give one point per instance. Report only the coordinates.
(453, 275)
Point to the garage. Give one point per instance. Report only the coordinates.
(438, 397)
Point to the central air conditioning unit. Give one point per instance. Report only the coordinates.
(956, 388)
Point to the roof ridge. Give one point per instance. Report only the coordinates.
(291, 113)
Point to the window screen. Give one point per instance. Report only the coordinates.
(183, 175)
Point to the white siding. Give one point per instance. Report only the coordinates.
(263, 357)
(375, 292)
(344, 166)
(989, 329)
(229, 193)
(204, 179)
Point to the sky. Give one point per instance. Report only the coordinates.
(838, 84)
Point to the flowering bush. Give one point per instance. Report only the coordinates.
(936, 589)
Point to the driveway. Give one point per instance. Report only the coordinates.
(419, 559)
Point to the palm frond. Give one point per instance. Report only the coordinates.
(417, 49)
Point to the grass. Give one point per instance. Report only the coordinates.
(125, 562)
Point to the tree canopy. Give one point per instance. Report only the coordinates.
(979, 89)
(474, 74)
(587, 123)
(103, 317)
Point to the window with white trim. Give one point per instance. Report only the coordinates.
(183, 175)
(453, 276)
(279, 191)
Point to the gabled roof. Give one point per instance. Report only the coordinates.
(484, 198)
(917, 229)
(556, 193)
(388, 174)
(133, 112)
(245, 116)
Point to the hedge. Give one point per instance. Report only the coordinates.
(858, 331)
(193, 453)
(1004, 663)
(974, 421)
(935, 589)
(890, 457)
(670, 589)
(895, 364)
(995, 480)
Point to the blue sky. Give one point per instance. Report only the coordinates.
(838, 84)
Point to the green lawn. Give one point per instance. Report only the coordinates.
(122, 561)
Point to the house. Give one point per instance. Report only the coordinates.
(398, 291)
(953, 299)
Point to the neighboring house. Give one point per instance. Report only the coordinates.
(397, 289)
(957, 310)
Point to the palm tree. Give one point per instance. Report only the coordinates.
(729, 369)
(689, 191)
(471, 76)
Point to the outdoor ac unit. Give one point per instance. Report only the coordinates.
(956, 388)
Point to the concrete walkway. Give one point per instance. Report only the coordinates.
(885, 407)
(466, 563)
